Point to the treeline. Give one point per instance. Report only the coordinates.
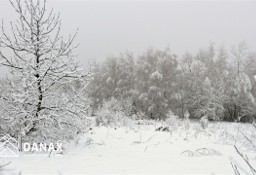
(215, 83)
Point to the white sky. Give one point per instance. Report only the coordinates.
(111, 27)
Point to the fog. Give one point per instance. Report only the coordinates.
(111, 27)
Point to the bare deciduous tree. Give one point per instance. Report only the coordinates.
(239, 53)
(41, 89)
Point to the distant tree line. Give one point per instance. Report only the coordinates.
(214, 83)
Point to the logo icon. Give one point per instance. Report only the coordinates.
(9, 147)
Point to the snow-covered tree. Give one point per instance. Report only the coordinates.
(157, 102)
(239, 54)
(113, 78)
(156, 74)
(200, 93)
(191, 86)
(41, 99)
(125, 83)
(250, 70)
(238, 87)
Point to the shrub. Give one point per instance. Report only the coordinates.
(204, 122)
(114, 113)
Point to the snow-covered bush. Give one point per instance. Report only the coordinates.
(114, 113)
(204, 122)
(172, 121)
(186, 115)
(105, 117)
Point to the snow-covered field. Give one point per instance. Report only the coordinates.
(140, 149)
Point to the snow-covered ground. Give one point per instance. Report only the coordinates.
(142, 150)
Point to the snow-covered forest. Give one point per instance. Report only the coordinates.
(215, 83)
(148, 113)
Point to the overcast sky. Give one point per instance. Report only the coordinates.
(111, 27)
